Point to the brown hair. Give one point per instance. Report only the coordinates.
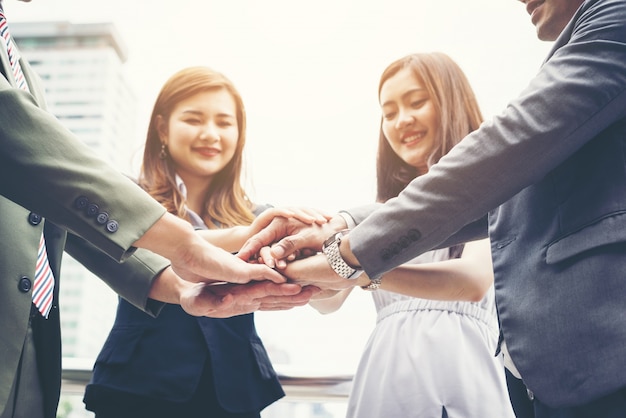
(226, 203)
(455, 102)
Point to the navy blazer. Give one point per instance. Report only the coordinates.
(164, 358)
(551, 172)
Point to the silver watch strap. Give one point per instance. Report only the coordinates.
(336, 261)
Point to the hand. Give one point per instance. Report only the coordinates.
(274, 303)
(226, 268)
(307, 216)
(316, 271)
(195, 260)
(226, 300)
(290, 236)
(231, 239)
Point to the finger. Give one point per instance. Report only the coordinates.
(299, 299)
(286, 246)
(267, 216)
(259, 240)
(274, 290)
(281, 264)
(321, 216)
(315, 215)
(261, 272)
(265, 255)
(304, 215)
(278, 307)
(258, 291)
(275, 303)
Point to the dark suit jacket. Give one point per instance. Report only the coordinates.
(553, 165)
(43, 167)
(164, 358)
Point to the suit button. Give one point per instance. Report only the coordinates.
(102, 218)
(414, 235)
(34, 219)
(112, 226)
(81, 202)
(92, 209)
(24, 285)
(404, 242)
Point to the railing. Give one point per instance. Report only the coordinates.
(298, 389)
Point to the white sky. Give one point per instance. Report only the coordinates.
(308, 73)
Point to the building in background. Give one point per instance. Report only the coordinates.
(81, 67)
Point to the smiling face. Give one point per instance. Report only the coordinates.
(410, 120)
(201, 134)
(551, 16)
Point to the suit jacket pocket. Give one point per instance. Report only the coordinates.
(608, 230)
(120, 345)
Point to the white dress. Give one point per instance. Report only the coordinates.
(431, 359)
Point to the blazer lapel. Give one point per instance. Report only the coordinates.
(34, 83)
(5, 66)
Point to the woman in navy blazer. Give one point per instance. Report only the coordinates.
(176, 364)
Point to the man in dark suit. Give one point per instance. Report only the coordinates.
(45, 169)
(550, 172)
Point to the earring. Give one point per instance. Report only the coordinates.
(163, 153)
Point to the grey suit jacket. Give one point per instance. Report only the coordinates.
(46, 169)
(551, 172)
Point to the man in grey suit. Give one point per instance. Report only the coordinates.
(45, 169)
(550, 173)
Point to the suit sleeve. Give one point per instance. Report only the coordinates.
(470, 232)
(131, 279)
(46, 169)
(579, 92)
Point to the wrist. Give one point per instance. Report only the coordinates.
(337, 223)
(168, 237)
(331, 249)
(167, 287)
(347, 254)
(373, 284)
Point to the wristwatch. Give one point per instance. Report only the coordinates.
(337, 263)
(374, 284)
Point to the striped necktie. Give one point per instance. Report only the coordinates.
(44, 279)
(14, 56)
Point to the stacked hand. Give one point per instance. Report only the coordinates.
(283, 244)
(218, 284)
(283, 238)
(226, 300)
